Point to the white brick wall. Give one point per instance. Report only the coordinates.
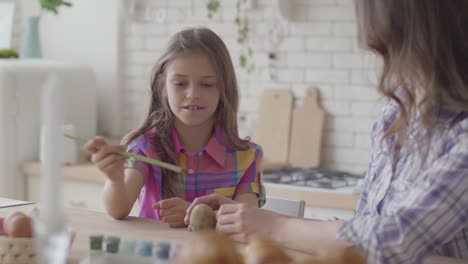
(17, 29)
(319, 49)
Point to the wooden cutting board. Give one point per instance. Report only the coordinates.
(306, 132)
(273, 127)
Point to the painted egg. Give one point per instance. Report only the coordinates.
(202, 218)
(18, 224)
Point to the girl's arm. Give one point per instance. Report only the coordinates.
(122, 186)
(119, 196)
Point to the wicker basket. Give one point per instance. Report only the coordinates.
(17, 250)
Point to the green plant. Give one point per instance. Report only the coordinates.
(213, 7)
(52, 5)
(8, 53)
(245, 58)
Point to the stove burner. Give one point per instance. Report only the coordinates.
(314, 177)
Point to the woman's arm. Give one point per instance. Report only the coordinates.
(308, 235)
(240, 221)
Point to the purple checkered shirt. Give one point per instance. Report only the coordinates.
(408, 212)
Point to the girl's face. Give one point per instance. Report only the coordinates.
(192, 89)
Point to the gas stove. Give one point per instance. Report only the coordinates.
(314, 177)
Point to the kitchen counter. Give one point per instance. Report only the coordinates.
(342, 198)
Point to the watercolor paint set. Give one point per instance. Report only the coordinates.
(116, 250)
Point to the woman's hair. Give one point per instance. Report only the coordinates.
(424, 47)
(160, 118)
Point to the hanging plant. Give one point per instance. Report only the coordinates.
(213, 7)
(246, 56)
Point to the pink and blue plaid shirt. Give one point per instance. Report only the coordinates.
(215, 169)
(411, 210)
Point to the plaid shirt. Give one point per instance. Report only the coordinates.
(408, 212)
(215, 169)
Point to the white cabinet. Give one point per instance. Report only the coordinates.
(77, 194)
(319, 203)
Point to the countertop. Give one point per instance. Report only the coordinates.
(343, 198)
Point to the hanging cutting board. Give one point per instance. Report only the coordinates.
(273, 127)
(306, 132)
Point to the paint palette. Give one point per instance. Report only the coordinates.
(116, 250)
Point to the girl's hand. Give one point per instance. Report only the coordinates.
(106, 158)
(173, 211)
(240, 220)
(213, 200)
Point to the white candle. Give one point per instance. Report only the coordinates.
(50, 208)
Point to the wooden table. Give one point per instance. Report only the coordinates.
(86, 222)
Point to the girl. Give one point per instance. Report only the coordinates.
(191, 122)
(414, 202)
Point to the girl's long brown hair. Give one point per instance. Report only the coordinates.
(160, 118)
(424, 47)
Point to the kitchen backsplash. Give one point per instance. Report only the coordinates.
(317, 48)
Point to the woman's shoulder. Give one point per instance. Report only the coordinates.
(388, 112)
(459, 128)
(385, 117)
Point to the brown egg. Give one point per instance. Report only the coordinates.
(263, 251)
(18, 224)
(8, 219)
(2, 229)
(209, 248)
(202, 218)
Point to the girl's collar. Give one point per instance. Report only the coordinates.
(215, 147)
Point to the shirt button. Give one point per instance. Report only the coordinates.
(190, 171)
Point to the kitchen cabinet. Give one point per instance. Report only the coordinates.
(79, 192)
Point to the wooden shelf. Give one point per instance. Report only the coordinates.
(82, 172)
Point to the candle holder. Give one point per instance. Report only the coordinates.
(53, 241)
